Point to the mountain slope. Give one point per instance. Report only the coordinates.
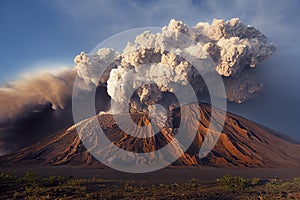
(242, 144)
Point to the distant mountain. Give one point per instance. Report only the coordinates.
(242, 143)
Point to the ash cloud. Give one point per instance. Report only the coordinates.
(31, 93)
(35, 107)
(234, 47)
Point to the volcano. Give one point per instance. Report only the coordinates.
(242, 144)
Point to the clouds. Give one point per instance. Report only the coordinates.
(31, 93)
(176, 56)
(279, 20)
(61, 29)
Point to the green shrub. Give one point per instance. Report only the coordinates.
(4, 176)
(297, 181)
(75, 182)
(33, 179)
(30, 177)
(18, 195)
(271, 187)
(233, 182)
(52, 181)
(255, 181)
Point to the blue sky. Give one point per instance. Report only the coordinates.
(49, 34)
(44, 34)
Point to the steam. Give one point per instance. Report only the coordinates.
(224, 48)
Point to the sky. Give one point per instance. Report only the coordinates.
(49, 34)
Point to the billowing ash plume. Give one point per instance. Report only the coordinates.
(172, 58)
(159, 57)
(27, 95)
(89, 67)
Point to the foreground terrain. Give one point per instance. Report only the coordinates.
(262, 164)
(32, 186)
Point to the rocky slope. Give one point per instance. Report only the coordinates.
(242, 144)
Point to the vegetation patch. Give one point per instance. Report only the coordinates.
(32, 186)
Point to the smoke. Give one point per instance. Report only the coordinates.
(228, 49)
(233, 46)
(89, 67)
(30, 94)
